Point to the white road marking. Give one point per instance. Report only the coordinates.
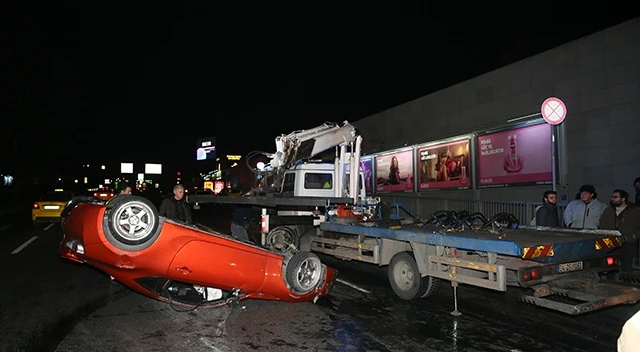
(49, 226)
(209, 344)
(353, 286)
(24, 245)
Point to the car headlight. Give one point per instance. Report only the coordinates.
(75, 246)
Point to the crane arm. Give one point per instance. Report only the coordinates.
(305, 144)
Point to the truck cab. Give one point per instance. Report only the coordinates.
(316, 180)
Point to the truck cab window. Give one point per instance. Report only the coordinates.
(289, 182)
(318, 181)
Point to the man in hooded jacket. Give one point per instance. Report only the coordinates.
(584, 212)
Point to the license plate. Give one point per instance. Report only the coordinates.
(103, 194)
(563, 268)
(52, 207)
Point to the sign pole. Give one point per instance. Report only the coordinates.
(554, 111)
(553, 158)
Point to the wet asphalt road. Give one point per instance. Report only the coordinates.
(47, 304)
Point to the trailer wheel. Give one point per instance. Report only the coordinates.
(283, 239)
(405, 279)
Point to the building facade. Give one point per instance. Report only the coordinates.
(598, 79)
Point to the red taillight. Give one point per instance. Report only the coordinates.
(532, 274)
(95, 194)
(36, 206)
(611, 261)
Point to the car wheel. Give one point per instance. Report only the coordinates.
(304, 271)
(282, 239)
(131, 223)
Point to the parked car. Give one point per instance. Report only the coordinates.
(173, 262)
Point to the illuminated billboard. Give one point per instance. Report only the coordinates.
(394, 172)
(126, 168)
(520, 156)
(367, 168)
(153, 169)
(444, 166)
(218, 186)
(206, 148)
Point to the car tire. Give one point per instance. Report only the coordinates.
(283, 239)
(131, 223)
(304, 272)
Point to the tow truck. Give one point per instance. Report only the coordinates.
(294, 189)
(559, 269)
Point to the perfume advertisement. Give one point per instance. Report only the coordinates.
(394, 172)
(444, 166)
(367, 168)
(520, 156)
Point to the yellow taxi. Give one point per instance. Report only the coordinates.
(49, 207)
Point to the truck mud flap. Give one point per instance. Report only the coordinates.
(576, 301)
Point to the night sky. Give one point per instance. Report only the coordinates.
(123, 82)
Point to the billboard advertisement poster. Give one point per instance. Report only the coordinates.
(444, 166)
(521, 156)
(367, 169)
(218, 187)
(394, 172)
(206, 148)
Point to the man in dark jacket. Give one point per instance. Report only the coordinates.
(123, 188)
(636, 185)
(623, 216)
(175, 207)
(547, 214)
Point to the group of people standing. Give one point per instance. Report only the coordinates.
(587, 212)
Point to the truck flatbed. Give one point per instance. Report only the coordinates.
(543, 245)
(268, 201)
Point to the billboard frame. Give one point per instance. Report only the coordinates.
(470, 138)
(370, 159)
(508, 127)
(375, 157)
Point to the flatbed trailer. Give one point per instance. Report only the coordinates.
(561, 269)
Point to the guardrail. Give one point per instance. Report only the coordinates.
(425, 206)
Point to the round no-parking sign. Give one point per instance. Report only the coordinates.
(553, 111)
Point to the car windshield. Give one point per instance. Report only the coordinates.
(57, 197)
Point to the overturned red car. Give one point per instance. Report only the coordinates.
(191, 266)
